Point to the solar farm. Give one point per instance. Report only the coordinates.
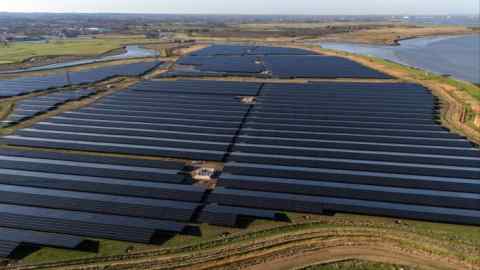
(164, 156)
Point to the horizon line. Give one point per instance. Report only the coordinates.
(235, 14)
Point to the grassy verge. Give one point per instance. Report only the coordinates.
(469, 88)
(462, 241)
(17, 52)
(390, 35)
(357, 265)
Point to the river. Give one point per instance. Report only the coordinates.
(131, 51)
(458, 56)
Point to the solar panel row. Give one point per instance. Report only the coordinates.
(235, 64)
(298, 152)
(201, 87)
(85, 224)
(238, 50)
(229, 216)
(26, 85)
(7, 247)
(41, 238)
(301, 66)
(31, 107)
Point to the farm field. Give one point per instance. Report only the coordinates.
(75, 47)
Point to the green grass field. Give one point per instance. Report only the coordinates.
(358, 265)
(470, 88)
(17, 52)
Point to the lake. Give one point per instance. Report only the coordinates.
(458, 56)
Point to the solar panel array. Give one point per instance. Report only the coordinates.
(60, 199)
(34, 106)
(236, 50)
(246, 65)
(186, 119)
(373, 149)
(27, 85)
(368, 148)
(264, 62)
(318, 66)
(354, 147)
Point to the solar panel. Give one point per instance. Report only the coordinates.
(102, 185)
(85, 224)
(39, 238)
(199, 87)
(7, 247)
(319, 67)
(319, 204)
(236, 50)
(225, 64)
(98, 203)
(32, 163)
(311, 155)
(144, 150)
(453, 199)
(228, 216)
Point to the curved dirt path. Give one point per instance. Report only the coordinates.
(286, 250)
(375, 253)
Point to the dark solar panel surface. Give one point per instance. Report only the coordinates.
(223, 50)
(200, 87)
(237, 50)
(225, 64)
(7, 247)
(301, 66)
(228, 216)
(39, 238)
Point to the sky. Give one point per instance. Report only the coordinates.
(298, 7)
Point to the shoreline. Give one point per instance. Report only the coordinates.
(119, 54)
(390, 53)
(391, 38)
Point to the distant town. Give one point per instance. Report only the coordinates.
(18, 27)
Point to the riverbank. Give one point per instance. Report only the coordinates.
(392, 36)
(455, 56)
(44, 53)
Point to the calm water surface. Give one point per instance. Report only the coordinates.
(458, 56)
(132, 51)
